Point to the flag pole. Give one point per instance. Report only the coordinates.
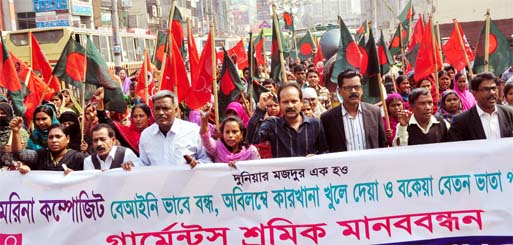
(383, 102)
(487, 40)
(439, 40)
(145, 70)
(403, 58)
(83, 89)
(214, 74)
(169, 44)
(251, 71)
(282, 59)
(434, 51)
(456, 26)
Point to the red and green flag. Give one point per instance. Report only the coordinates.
(348, 55)
(363, 51)
(454, 51)
(416, 39)
(230, 84)
(400, 37)
(500, 55)
(372, 72)
(406, 16)
(9, 80)
(306, 46)
(289, 21)
(362, 30)
(318, 56)
(160, 49)
(428, 59)
(385, 58)
(259, 48)
(177, 30)
(276, 50)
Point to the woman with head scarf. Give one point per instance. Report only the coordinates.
(236, 109)
(6, 115)
(70, 103)
(461, 89)
(127, 135)
(44, 117)
(70, 120)
(449, 105)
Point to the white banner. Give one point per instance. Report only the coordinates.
(455, 192)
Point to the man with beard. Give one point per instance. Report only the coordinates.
(353, 125)
(421, 127)
(486, 119)
(170, 140)
(107, 155)
(292, 134)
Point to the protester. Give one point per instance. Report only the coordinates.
(70, 103)
(125, 81)
(70, 120)
(57, 99)
(231, 147)
(449, 105)
(310, 95)
(323, 94)
(292, 134)
(403, 88)
(237, 109)
(461, 89)
(57, 157)
(270, 85)
(272, 110)
(451, 72)
(444, 81)
(395, 105)
(486, 119)
(421, 127)
(307, 109)
(353, 125)
(300, 75)
(6, 155)
(170, 140)
(127, 135)
(508, 93)
(44, 117)
(107, 155)
(91, 119)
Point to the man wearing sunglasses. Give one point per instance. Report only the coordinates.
(486, 119)
(353, 125)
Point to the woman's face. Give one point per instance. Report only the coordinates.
(404, 87)
(273, 109)
(43, 120)
(509, 97)
(462, 83)
(67, 99)
(232, 134)
(452, 103)
(395, 107)
(68, 124)
(307, 110)
(445, 82)
(57, 140)
(141, 120)
(56, 101)
(425, 84)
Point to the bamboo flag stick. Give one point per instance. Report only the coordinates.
(434, 51)
(214, 75)
(456, 26)
(169, 44)
(487, 40)
(251, 71)
(280, 47)
(83, 89)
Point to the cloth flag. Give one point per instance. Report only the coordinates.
(348, 53)
(428, 59)
(500, 54)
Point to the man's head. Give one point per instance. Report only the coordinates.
(290, 98)
(350, 87)
(246, 73)
(421, 103)
(312, 76)
(270, 85)
(164, 109)
(103, 139)
(299, 73)
(484, 89)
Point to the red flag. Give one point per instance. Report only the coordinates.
(318, 56)
(36, 86)
(240, 52)
(8, 75)
(193, 55)
(177, 29)
(453, 51)
(259, 48)
(428, 56)
(175, 73)
(201, 88)
(41, 64)
(418, 33)
(146, 72)
(23, 69)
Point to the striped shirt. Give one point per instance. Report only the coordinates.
(354, 130)
(286, 141)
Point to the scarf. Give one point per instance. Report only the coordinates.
(131, 133)
(442, 110)
(467, 99)
(39, 138)
(239, 110)
(5, 130)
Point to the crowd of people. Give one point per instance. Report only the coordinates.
(297, 118)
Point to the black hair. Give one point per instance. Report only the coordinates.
(48, 109)
(399, 80)
(144, 107)
(241, 127)
(416, 93)
(481, 77)
(290, 85)
(507, 87)
(298, 68)
(347, 74)
(99, 126)
(312, 71)
(63, 128)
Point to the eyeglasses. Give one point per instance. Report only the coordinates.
(488, 89)
(350, 88)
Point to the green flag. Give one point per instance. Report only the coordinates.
(500, 54)
(276, 50)
(348, 54)
(230, 84)
(385, 58)
(306, 46)
(160, 48)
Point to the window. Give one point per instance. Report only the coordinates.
(26, 20)
(104, 48)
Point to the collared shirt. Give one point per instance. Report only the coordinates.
(183, 138)
(402, 131)
(490, 123)
(354, 130)
(286, 141)
(105, 165)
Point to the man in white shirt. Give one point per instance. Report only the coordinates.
(170, 140)
(109, 156)
(486, 119)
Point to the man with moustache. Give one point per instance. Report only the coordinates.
(107, 155)
(291, 135)
(421, 127)
(170, 140)
(353, 125)
(486, 119)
